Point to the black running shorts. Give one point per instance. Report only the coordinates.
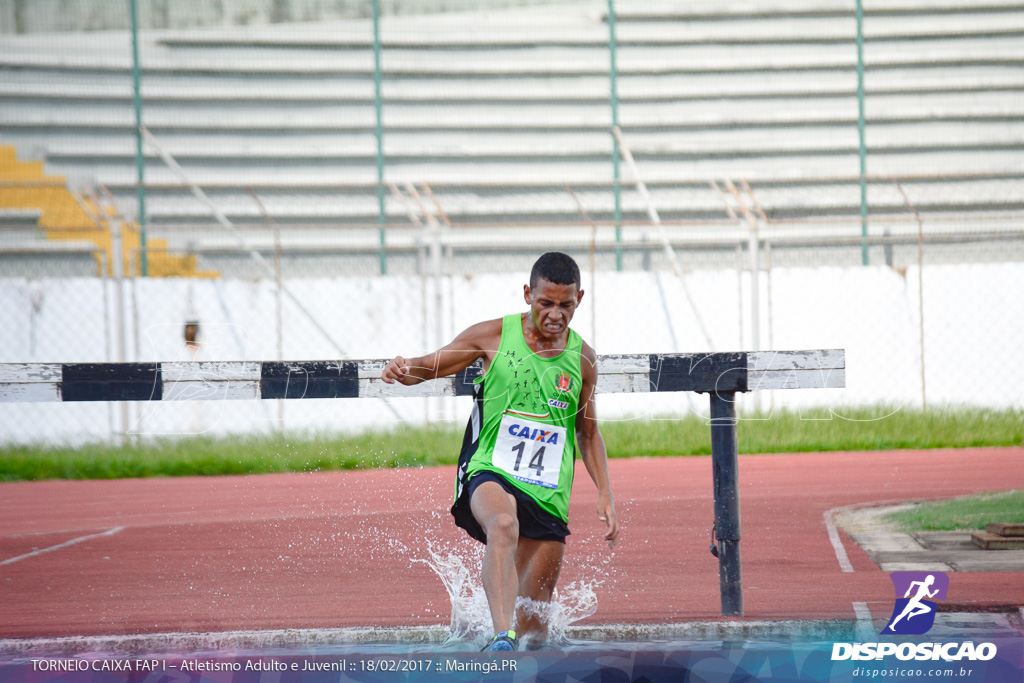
(534, 522)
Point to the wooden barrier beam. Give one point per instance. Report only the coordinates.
(244, 380)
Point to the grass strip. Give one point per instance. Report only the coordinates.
(859, 429)
(876, 428)
(969, 513)
(207, 456)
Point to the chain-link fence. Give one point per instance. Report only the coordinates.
(319, 180)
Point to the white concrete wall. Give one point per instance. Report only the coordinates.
(974, 320)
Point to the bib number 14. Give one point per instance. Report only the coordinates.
(536, 462)
(530, 451)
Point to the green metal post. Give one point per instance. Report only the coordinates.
(860, 130)
(613, 78)
(379, 106)
(140, 159)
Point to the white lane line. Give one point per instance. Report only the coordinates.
(73, 541)
(837, 542)
(865, 626)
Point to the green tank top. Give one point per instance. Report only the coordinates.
(523, 425)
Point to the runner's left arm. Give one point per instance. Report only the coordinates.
(591, 443)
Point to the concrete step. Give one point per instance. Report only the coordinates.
(569, 144)
(957, 560)
(655, 10)
(553, 203)
(656, 30)
(551, 171)
(345, 118)
(238, 93)
(990, 541)
(547, 62)
(18, 219)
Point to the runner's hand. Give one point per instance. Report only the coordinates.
(606, 513)
(395, 371)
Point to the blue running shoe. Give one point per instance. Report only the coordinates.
(503, 642)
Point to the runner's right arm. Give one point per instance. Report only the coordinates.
(478, 341)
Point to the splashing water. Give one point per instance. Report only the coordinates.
(457, 564)
(471, 616)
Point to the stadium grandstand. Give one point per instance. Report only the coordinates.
(498, 123)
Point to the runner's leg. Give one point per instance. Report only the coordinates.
(918, 611)
(539, 564)
(495, 510)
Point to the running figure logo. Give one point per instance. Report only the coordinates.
(914, 613)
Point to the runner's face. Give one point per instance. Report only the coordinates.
(552, 306)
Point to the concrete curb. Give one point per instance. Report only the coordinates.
(222, 643)
(606, 636)
(940, 551)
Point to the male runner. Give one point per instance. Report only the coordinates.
(533, 404)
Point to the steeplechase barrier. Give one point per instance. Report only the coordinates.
(721, 375)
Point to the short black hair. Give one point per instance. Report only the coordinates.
(557, 268)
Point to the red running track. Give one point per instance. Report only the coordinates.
(335, 549)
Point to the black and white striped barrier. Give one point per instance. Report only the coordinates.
(246, 380)
(721, 375)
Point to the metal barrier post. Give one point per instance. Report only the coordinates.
(724, 461)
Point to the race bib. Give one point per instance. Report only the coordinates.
(529, 451)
